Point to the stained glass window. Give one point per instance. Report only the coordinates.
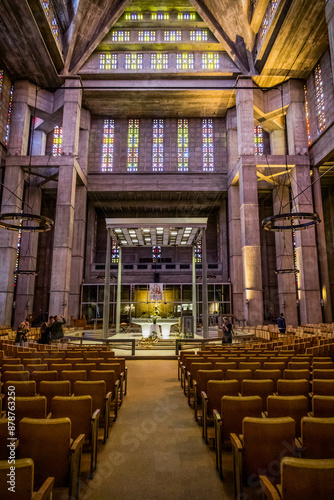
(207, 137)
(134, 61)
(108, 61)
(108, 145)
(120, 36)
(134, 16)
(258, 140)
(161, 16)
(307, 115)
(114, 251)
(198, 35)
(57, 141)
(133, 145)
(158, 146)
(55, 29)
(210, 60)
(198, 251)
(186, 16)
(319, 96)
(146, 36)
(172, 36)
(1, 80)
(9, 114)
(18, 250)
(46, 6)
(159, 61)
(268, 16)
(185, 60)
(156, 253)
(182, 145)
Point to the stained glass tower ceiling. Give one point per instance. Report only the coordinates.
(184, 231)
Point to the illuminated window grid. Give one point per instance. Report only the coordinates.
(108, 61)
(307, 115)
(185, 61)
(207, 137)
(186, 16)
(134, 16)
(9, 114)
(46, 6)
(258, 140)
(146, 36)
(158, 146)
(1, 80)
(159, 61)
(264, 27)
(160, 16)
(199, 36)
(273, 7)
(120, 36)
(114, 251)
(319, 96)
(210, 60)
(55, 29)
(134, 61)
(198, 251)
(156, 253)
(269, 14)
(182, 145)
(108, 145)
(18, 250)
(172, 36)
(133, 145)
(57, 141)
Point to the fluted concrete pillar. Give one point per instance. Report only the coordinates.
(329, 10)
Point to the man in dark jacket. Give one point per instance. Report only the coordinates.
(281, 323)
(56, 328)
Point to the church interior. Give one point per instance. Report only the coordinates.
(210, 123)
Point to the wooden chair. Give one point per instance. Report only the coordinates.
(59, 367)
(263, 442)
(72, 376)
(211, 400)
(200, 385)
(250, 365)
(36, 367)
(225, 365)
(90, 354)
(101, 399)
(112, 385)
(293, 387)
(323, 406)
(273, 375)
(51, 388)
(323, 374)
(322, 365)
(32, 407)
(117, 368)
(317, 438)
(262, 388)
(295, 407)
(15, 376)
(275, 365)
(12, 368)
(239, 375)
(83, 421)
(233, 410)
(192, 375)
(297, 374)
(41, 439)
(299, 365)
(24, 481)
(323, 387)
(301, 479)
(44, 375)
(183, 355)
(185, 368)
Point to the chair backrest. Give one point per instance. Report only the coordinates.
(74, 361)
(32, 407)
(239, 375)
(237, 359)
(317, 437)
(216, 389)
(94, 388)
(122, 362)
(22, 388)
(47, 442)
(323, 387)
(12, 368)
(298, 387)
(73, 354)
(324, 374)
(226, 365)
(250, 365)
(327, 365)
(203, 377)
(295, 407)
(192, 359)
(73, 376)
(109, 376)
(31, 360)
(110, 354)
(78, 409)
(59, 367)
(11, 376)
(39, 376)
(305, 479)
(262, 388)
(297, 374)
(11, 361)
(24, 479)
(274, 365)
(4, 439)
(299, 365)
(36, 368)
(273, 375)
(194, 367)
(323, 406)
(90, 354)
(265, 442)
(234, 409)
(52, 361)
(51, 388)
(116, 367)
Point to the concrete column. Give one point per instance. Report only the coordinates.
(245, 117)
(205, 305)
(235, 251)
(329, 10)
(194, 288)
(71, 117)
(38, 143)
(322, 250)
(119, 295)
(250, 241)
(106, 289)
(78, 250)
(277, 142)
(306, 249)
(296, 120)
(20, 120)
(25, 287)
(222, 249)
(84, 139)
(90, 241)
(285, 259)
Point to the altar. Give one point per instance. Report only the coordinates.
(161, 328)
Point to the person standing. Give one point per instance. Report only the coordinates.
(281, 323)
(227, 331)
(56, 328)
(21, 333)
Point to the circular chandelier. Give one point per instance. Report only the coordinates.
(34, 223)
(28, 272)
(306, 220)
(286, 271)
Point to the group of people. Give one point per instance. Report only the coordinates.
(51, 330)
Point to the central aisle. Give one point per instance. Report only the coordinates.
(154, 450)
